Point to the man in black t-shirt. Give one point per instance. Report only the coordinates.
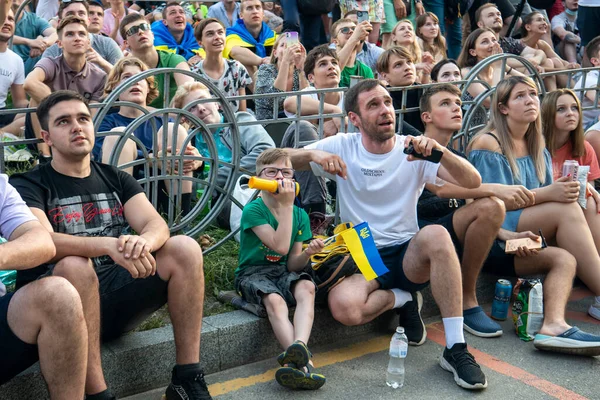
(89, 208)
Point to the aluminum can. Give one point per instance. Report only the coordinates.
(570, 167)
(501, 299)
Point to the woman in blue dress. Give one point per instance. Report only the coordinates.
(511, 150)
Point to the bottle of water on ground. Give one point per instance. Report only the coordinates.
(398, 350)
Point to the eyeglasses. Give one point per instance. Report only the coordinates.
(271, 172)
(135, 29)
(346, 30)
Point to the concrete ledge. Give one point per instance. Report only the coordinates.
(142, 361)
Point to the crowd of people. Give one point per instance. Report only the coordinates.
(86, 240)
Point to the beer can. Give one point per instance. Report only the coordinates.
(501, 299)
(570, 167)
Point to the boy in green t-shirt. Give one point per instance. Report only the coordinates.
(271, 267)
(349, 39)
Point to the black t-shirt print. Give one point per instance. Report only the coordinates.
(91, 206)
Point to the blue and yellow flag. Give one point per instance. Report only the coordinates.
(359, 240)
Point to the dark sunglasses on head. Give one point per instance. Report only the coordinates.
(74, 1)
(135, 29)
(346, 30)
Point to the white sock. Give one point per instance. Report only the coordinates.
(453, 328)
(597, 299)
(401, 297)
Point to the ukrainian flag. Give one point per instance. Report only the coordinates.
(359, 241)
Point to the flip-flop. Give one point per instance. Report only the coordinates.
(297, 354)
(296, 379)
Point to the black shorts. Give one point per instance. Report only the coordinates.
(497, 261)
(16, 355)
(393, 258)
(125, 302)
(6, 119)
(587, 23)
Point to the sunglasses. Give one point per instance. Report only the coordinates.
(135, 29)
(346, 30)
(74, 1)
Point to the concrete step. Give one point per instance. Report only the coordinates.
(142, 361)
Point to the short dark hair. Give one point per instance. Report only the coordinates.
(63, 5)
(593, 47)
(170, 4)
(129, 18)
(315, 54)
(43, 109)
(71, 19)
(351, 12)
(437, 67)
(351, 96)
(425, 101)
(479, 11)
(199, 29)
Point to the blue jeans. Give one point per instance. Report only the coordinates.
(452, 30)
(309, 26)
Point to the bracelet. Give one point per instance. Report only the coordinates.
(510, 70)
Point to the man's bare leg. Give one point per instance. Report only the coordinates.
(48, 313)
(81, 274)
(179, 262)
(476, 226)
(355, 301)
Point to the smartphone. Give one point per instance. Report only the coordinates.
(362, 16)
(291, 38)
(435, 157)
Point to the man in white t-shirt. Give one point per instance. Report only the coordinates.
(588, 97)
(381, 185)
(12, 73)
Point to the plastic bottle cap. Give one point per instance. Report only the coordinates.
(400, 329)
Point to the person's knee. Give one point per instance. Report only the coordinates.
(77, 270)
(184, 253)
(435, 237)
(275, 304)
(492, 210)
(344, 310)
(564, 262)
(55, 298)
(305, 289)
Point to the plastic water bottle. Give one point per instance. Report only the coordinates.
(398, 350)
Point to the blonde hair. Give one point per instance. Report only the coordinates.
(184, 90)
(414, 47)
(549, 125)
(439, 43)
(114, 77)
(498, 122)
(275, 46)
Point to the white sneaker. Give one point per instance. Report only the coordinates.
(594, 310)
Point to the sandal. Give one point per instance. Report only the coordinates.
(297, 354)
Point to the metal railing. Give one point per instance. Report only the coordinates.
(155, 165)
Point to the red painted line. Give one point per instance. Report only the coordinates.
(580, 293)
(581, 316)
(435, 332)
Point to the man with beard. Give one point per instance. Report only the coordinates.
(381, 184)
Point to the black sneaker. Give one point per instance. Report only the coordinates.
(192, 389)
(410, 319)
(467, 373)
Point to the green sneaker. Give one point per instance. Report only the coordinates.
(297, 354)
(296, 379)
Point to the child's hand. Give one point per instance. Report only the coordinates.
(286, 192)
(316, 246)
